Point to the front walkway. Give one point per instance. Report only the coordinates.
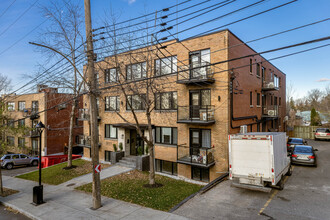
(63, 202)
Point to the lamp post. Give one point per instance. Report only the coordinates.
(38, 190)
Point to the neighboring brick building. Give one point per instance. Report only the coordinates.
(56, 120)
(198, 110)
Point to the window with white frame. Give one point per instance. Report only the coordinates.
(166, 65)
(166, 101)
(137, 102)
(136, 71)
(110, 131)
(11, 106)
(21, 142)
(21, 106)
(111, 75)
(112, 103)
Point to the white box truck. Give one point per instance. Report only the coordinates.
(258, 160)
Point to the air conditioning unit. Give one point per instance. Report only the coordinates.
(243, 129)
(271, 112)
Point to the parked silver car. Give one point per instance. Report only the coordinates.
(8, 161)
(304, 155)
(322, 133)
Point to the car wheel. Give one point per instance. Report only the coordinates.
(280, 184)
(289, 173)
(9, 166)
(34, 163)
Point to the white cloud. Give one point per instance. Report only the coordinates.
(323, 80)
(130, 1)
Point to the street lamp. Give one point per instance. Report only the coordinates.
(38, 190)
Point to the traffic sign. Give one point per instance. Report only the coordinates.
(97, 168)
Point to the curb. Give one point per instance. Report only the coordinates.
(27, 214)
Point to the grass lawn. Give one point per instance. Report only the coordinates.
(129, 187)
(56, 174)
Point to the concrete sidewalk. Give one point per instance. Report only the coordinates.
(64, 202)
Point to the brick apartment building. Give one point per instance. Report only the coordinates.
(195, 114)
(56, 120)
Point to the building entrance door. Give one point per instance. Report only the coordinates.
(135, 142)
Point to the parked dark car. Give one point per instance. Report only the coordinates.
(303, 154)
(322, 133)
(8, 161)
(293, 142)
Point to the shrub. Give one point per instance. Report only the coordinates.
(121, 146)
(139, 150)
(114, 147)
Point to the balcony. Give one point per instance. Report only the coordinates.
(84, 141)
(270, 111)
(33, 133)
(270, 85)
(202, 115)
(197, 76)
(83, 114)
(201, 157)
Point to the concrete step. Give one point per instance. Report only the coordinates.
(125, 164)
(129, 158)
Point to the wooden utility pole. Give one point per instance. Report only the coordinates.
(91, 80)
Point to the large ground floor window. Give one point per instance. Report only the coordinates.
(200, 174)
(167, 167)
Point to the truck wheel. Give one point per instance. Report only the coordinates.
(9, 166)
(34, 163)
(289, 173)
(281, 184)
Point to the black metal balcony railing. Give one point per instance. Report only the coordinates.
(202, 157)
(196, 114)
(270, 111)
(83, 114)
(269, 85)
(84, 140)
(32, 133)
(201, 75)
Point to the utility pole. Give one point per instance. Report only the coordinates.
(91, 80)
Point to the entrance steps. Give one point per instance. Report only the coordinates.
(128, 161)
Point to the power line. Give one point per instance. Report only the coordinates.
(19, 17)
(4, 12)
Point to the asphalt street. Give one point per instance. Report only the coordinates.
(306, 195)
(8, 215)
(18, 170)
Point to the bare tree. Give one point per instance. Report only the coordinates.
(64, 38)
(314, 97)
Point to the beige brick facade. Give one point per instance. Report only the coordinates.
(218, 43)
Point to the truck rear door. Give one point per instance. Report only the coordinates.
(251, 158)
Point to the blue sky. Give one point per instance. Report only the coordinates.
(303, 70)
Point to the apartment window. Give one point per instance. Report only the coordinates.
(205, 98)
(110, 131)
(200, 138)
(258, 99)
(258, 69)
(279, 81)
(198, 59)
(279, 101)
(276, 81)
(107, 155)
(111, 75)
(167, 167)
(165, 135)
(200, 174)
(166, 65)
(10, 140)
(35, 106)
(136, 71)
(251, 66)
(21, 142)
(275, 100)
(251, 103)
(11, 106)
(35, 150)
(263, 73)
(271, 100)
(21, 106)
(136, 101)
(21, 123)
(166, 101)
(112, 103)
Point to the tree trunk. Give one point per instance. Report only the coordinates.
(70, 147)
(1, 186)
(152, 166)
